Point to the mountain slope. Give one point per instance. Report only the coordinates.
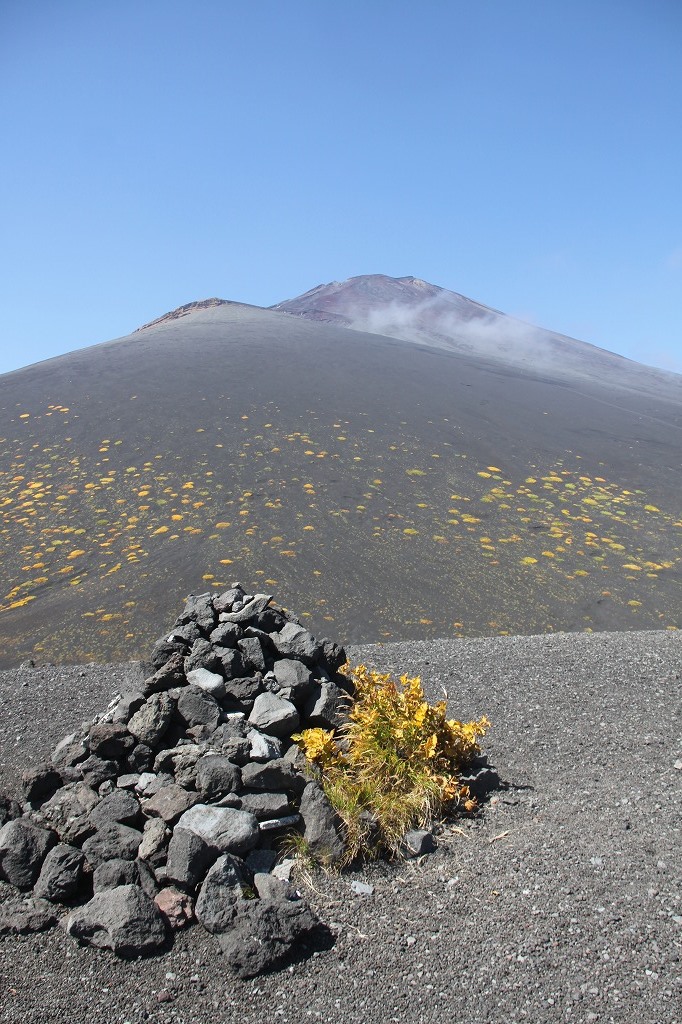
(414, 310)
(387, 489)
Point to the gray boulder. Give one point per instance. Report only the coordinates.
(61, 874)
(149, 724)
(210, 682)
(124, 920)
(111, 842)
(217, 776)
(120, 806)
(68, 812)
(196, 707)
(109, 740)
(266, 934)
(263, 747)
(189, 858)
(322, 827)
(265, 805)
(273, 776)
(40, 783)
(112, 873)
(295, 641)
(251, 609)
(202, 655)
(327, 707)
(22, 917)
(169, 803)
(293, 675)
(23, 848)
(224, 829)
(221, 893)
(274, 715)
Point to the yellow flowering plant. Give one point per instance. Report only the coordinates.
(395, 764)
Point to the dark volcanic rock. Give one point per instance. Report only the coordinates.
(223, 828)
(217, 776)
(243, 691)
(326, 707)
(253, 654)
(171, 673)
(169, 803)
(226, 634)
(120, 806)
(294, 641)
(275, 775)
(112, 873)
(23, 848)
(22, 917)
(196, 707)
(149, 724)
(231, 662)
(293, 675)
(95, 770)
(111, 842)
(189, 858)
(40, 783)
(274, 715)
(265, 805)
(109, 740)
(222, 892)
(322, 830)
(266, 934)
(9, 809)
(61, 873)
(198, 609)
(210, 786)
(68, 812)
(165, 648)
(123, 919)
(202, 655)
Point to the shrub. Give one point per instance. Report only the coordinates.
(395, 765)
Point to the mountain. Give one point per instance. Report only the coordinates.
(414, 310)
(387, 489)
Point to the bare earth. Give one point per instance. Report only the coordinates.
(561, 902)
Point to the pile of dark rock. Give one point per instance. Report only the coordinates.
(171, 806)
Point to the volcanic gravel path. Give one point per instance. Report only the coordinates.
(561, 902)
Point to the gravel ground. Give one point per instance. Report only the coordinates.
(561, 902)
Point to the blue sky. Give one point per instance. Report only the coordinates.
(523, 152)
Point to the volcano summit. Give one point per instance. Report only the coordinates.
(402, 462)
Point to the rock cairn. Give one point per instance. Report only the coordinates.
(170, 806)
